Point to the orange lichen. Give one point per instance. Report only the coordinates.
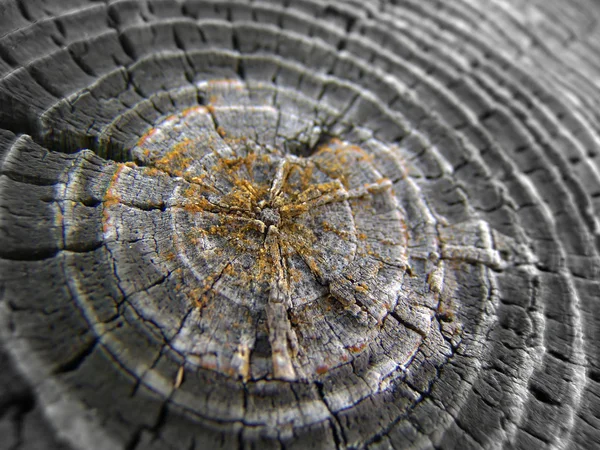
(178, 160)
(446, 311)
(341, 233)
(322, 369)
(357, 347)
(152, 171)
(141, 141)
(59, 217)
(111, 198)
(259, 205)
(239, 220)
(295, 275)
(192, 109)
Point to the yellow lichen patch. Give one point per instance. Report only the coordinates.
(111, 198)
(178, 160)
(152, 171)
(245, 212)
(141, 141)
(294, 210)
(317, 190)
(193, 109)
(329, 163)
(361, 155)
(299, 179)
(59, 218)
(210, 108)
(446, 311)
(295, 275)
(361, 287)
(341, 233)
(357, 348)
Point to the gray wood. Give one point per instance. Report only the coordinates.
(299, 224)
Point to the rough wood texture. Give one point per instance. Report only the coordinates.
(299, 224)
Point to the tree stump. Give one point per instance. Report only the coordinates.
(299, 224)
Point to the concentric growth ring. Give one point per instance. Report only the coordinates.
(307, 224)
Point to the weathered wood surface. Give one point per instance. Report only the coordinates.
(299, 224)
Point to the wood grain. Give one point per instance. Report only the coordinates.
(308, 224)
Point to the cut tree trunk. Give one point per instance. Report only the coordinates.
(299, 224)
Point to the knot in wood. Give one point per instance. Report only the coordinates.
(271, 238)
(270, 216)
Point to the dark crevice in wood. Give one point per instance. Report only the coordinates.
(594, 375)
(78, 359)
(337, 430)
(128, 46)
(542, 396)
(23, 401)
(154, 429)
(23, 9)
(408, 325)
(37, 254)
(305, 150)
(8, 57)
